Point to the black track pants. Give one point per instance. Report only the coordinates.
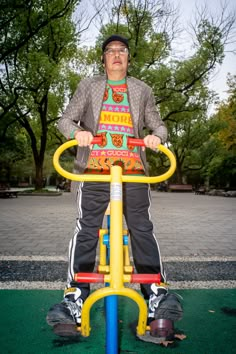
(92, 201)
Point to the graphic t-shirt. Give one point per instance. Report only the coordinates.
(115, 126)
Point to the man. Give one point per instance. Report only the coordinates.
(114, 106)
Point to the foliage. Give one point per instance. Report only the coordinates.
(12, 149)
(179, 85)
(227, 118)
(222, 167)
(41, 66)
(22, 22)
(36, 74)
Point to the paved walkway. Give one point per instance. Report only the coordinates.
(186, 225)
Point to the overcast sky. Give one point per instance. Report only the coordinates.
(187, 15)
(188, 7)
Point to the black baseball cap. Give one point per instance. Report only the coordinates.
(115, 37)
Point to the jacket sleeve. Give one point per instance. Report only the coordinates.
(153, 121)
(74, 112)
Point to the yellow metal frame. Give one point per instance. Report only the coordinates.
(107, 178)
(118, 271)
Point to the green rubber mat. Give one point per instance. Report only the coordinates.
(209, 323)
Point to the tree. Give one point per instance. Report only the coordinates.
(12, 150)
(35, 94)
(227, 117)
(21, 22)
(34, 80)
(179, 85)
(222, 167)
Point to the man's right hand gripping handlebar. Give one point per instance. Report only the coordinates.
(84, 138)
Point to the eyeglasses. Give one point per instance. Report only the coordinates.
(112, 51)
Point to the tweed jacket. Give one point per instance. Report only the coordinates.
(83, 112)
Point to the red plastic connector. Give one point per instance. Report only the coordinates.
(146, 278)
(97, 140)
(135, 142)
(89, 278)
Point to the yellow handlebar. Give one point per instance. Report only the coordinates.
(107, 178)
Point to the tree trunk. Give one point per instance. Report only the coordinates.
(179, 177)
(39, 182)
(179, 174)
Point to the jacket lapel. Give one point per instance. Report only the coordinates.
(134, 95)
(98, 88)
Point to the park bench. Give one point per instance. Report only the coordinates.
(180, 187)
(23, 184)
(6, 192)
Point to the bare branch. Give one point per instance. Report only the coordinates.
(6, 51)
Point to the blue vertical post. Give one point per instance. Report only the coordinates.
(111, 309)
(111, 305)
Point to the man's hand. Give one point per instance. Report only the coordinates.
(84, 138)
(151, 141)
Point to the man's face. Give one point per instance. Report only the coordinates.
(116, 59)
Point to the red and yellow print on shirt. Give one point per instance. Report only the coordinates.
(116, 92)
(101, 161)
(115, 126)
(116, 118)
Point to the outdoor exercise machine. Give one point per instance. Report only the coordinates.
(114, 269)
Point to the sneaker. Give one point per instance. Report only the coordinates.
(68, 311)
(163, 305)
